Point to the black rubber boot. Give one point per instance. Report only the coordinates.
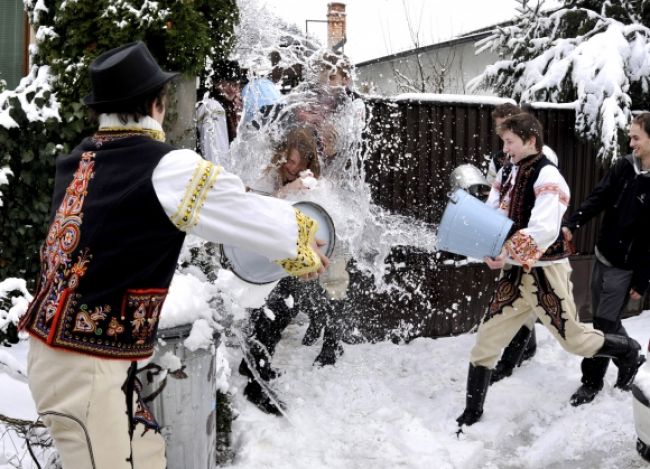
(331, 341)
(593, 373)
(531, 346)
(256, 395)
(627, 373)
(313, 331)
(513, 354)
(262, 362)
(626, 351)
(478, 380)
(329, 353)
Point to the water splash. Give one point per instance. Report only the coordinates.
(364, 230)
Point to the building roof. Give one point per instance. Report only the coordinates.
(471, 36)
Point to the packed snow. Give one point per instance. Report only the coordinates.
(386, 406)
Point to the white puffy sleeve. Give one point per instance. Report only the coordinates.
(204, 199)
(552, 196)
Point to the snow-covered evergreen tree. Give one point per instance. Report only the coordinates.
(595, 53)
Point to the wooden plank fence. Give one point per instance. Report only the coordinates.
(414, 146)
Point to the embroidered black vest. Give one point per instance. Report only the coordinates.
(110, 253)
(522, 201)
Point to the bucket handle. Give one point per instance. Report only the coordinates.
(452, 197)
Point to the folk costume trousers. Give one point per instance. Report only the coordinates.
(82, 400)
(547, 292)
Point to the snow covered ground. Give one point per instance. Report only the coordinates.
(393, 406)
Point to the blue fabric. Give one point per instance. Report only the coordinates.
(259, 92)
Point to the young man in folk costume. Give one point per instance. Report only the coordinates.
(535, 274)
(622, 266)
(123, 202)
(524, 344)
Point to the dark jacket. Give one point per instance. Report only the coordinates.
(624, 235)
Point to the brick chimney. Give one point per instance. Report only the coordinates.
(336, 36)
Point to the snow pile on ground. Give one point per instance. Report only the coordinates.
(389, 406)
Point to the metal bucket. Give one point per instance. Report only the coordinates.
(470, 178)
(259, 270)
(471, 228)
(185, 407)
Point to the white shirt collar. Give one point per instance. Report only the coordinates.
(114, 122)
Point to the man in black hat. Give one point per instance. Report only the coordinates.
(123, 201)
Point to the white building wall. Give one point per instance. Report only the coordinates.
(383, 77)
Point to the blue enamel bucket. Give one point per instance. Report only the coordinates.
(471, 228)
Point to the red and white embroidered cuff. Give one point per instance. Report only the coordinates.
(522, 248)
(552, 188)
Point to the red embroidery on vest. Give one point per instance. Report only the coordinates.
(142, 309)
(60, 278)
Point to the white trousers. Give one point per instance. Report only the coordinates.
(560, 317)
(82, 401)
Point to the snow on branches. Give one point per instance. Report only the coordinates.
(5, 172)
(34, 97)
(597, 57)
(14, 299)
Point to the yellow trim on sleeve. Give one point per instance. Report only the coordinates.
(196, 192)
(307, 260)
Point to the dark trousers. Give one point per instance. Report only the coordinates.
(308, 297)
(610, 287)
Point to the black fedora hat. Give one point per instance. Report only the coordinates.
(123, 74)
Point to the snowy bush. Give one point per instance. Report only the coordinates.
(29, 117)
(593, 53)
(14, 299)
(5, 172)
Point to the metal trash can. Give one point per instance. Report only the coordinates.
(184, 404)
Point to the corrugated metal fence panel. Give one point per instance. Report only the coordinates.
(414, 146)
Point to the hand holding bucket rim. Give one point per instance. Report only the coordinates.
(496, 263)
(324, 261)
(258, 270)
